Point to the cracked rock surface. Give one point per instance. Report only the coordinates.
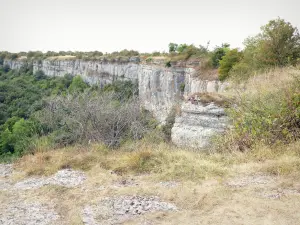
(20, 213)
(66, 178)
(119, 209)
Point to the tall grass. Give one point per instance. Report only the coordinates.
(267, 110)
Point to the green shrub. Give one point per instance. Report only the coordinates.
(218, 53)
(267, 117)
(167, 127)
(227, 62)
(77, 85)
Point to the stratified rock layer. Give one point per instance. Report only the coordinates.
(197, 124)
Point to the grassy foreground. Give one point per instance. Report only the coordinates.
(258, 185)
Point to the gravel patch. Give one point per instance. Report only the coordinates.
(117, 210)
(125, 183)
(279, 193)
(32, 183)
(5, 185)
(168, 184)
(66, 178)
(250, 180)
(19, 213)
(5, 170)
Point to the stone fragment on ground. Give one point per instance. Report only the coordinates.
(168, 184)
(66, 178)
(20, 213)
(5, 170)
(258, 179)
(117, 210)
(278, 193)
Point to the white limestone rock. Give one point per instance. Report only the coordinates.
(197, 124)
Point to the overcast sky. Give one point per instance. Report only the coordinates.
(144, 25)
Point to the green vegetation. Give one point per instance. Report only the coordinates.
(21, 95)
(278, 44)
(227, 62)
(36, 110)
(57, 111)
(267, 112)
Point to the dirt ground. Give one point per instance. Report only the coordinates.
(100, 196)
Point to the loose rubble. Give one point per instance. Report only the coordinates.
(66, 178)
(119, 209)
(5, 170)
(168, 184)
(20, 213)
(279, 193)
(258, 179)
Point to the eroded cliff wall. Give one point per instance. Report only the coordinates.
(160, 87)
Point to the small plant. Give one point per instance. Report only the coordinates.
(182, 86)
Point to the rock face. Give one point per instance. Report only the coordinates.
(160, 87)
(197, 124)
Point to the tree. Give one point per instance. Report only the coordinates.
(218, 53)
(173, 47)
(227, 62)
(181, 48)
(77, 85)
(279, 43)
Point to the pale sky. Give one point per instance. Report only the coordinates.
(143, 25)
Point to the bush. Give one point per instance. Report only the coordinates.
(167, 127)
(77, 85)
(93, 117)
(267, 117)
(227, 62)
(218, 53)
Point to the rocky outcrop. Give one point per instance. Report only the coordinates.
(93, 72)
(160, 87)
(197, 124)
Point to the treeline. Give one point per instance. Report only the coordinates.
(38, 55)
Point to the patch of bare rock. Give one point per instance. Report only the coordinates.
(20, 213)
(257, 179)
(278, 193)
(66, 178)
(5, 170)
(116, 210)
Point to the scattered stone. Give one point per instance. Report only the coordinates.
(125, 183)
(20, 213)
(5, 185)
(168, 184)
(271, 194)
(116, 210)
(250, 180)
(66, 178)
(5, 170)
(277, 194)
(32, 183)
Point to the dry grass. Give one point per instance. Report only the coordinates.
(201, 194)
(270, 81)
(207, 98)
(61, 57)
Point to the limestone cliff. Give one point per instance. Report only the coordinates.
(159, 86)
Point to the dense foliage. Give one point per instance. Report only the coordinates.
(278, 44)
(65, 110)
